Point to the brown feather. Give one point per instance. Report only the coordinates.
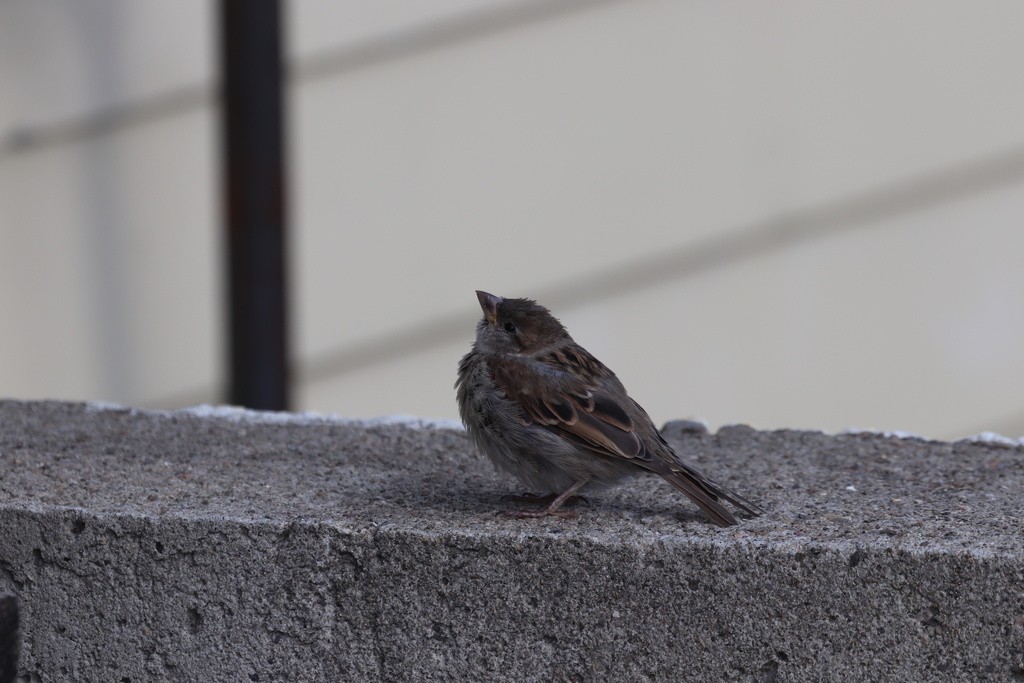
(568, 407)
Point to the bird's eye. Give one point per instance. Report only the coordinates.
(510, 328)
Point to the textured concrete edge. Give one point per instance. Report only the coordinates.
(188, 598)
(75, 517)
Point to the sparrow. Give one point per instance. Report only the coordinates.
(545, 410)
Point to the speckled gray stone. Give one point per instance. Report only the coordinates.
(247, 547)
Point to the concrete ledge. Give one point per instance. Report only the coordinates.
(234, 546)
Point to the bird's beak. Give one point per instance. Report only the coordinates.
(489, 304)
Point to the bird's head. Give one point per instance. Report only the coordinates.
(516, 326)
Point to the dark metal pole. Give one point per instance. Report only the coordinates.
(253, 145)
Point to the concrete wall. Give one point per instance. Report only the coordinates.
(235, 546)
(800, 214)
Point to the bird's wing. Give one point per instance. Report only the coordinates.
(575, 409)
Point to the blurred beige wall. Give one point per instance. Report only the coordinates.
(786, 214)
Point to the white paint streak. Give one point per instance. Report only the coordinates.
(238, 414)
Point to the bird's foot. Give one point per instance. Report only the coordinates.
(534, 514)
(545, 499)
(554, 508)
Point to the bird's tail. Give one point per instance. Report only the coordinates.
(704, 492)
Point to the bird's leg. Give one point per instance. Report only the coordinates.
(545, 499)
(552, 510)
(529, 497)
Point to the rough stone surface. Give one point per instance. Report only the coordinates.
(232, 546)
